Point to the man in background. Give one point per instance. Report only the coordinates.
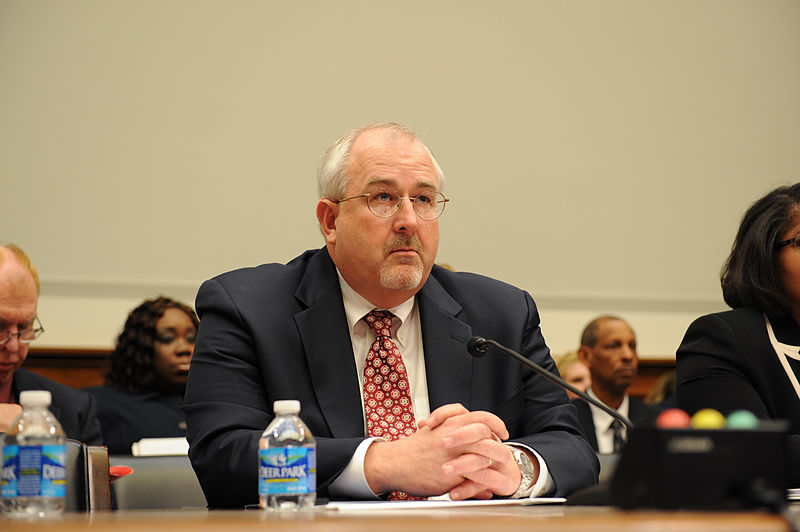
(324, 327)
(19, 325)
(608, 349)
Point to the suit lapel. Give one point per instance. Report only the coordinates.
(448, 365)
(329, 352)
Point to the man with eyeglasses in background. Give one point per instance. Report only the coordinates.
(371, 337)
(19, 325)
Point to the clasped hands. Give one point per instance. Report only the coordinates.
(454, 451)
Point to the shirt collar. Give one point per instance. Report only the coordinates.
(603, 419)
(356, 306)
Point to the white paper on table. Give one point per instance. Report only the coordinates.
(355, 506)
(160, 447)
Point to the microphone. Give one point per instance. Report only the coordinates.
(682, 468)
(478, 346)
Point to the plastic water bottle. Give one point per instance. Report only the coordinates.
(34, 474)
(287, 461)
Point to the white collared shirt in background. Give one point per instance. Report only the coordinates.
(602, 423)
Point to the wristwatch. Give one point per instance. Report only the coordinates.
(526, 469)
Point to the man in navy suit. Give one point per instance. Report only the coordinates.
(608, 349)
(486, 427)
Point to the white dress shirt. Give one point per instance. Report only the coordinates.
(602, 424)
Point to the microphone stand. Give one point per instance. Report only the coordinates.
(477, 347)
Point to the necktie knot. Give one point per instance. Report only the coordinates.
(380, 321)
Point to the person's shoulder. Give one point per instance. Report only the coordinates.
(735, 318)
(28, 380)
(275, 274)
(478, 296)
(467, 281)
(270, 281)
(295, 266)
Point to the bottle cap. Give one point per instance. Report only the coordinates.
(289, 406)
(35, 398)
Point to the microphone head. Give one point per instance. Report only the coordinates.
(476, 346)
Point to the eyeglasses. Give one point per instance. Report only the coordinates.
(428, 205)
(794, 242)
(25, 336)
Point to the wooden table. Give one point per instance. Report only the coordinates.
(464, 519)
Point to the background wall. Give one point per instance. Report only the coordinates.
(599, 154)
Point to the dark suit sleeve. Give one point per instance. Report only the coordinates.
(711, 371)
(550, 420)
(90, 423)
(75, 410)
(587, 421)
(228, 406)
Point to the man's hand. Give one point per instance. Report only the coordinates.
(484, 462)
(8, 413)
(454, 450)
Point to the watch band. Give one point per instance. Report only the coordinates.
(526, 469)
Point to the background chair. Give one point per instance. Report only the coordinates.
(157, 482)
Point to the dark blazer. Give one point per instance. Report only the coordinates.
(127, 417)
(279, 332)
(640, 413)
(727, 362)
(74, 409)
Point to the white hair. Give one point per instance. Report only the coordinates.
(332, 175)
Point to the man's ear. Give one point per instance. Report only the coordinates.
(584, 355)
(326, 215)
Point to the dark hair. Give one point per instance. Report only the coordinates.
(750, 275)
(589, 335)
(131, 363)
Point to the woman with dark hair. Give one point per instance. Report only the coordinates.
(143, 392)
(748, 358)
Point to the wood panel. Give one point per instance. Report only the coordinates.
(74, 367)
(86, 367)
(650, 370)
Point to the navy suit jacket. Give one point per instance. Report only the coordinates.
(75, 410)
(727, 362)
(279, 332)
(640, 413)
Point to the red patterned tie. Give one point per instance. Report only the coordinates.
(387, 401)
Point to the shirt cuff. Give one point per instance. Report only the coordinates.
(544, 484)
(351, 482)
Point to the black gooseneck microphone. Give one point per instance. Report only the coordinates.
(477, 347)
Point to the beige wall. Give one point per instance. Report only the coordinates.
(599, 154)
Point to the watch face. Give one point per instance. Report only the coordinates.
(526, 470)
(525, 464)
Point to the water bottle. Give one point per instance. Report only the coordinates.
(287, 461)
(34, 475)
